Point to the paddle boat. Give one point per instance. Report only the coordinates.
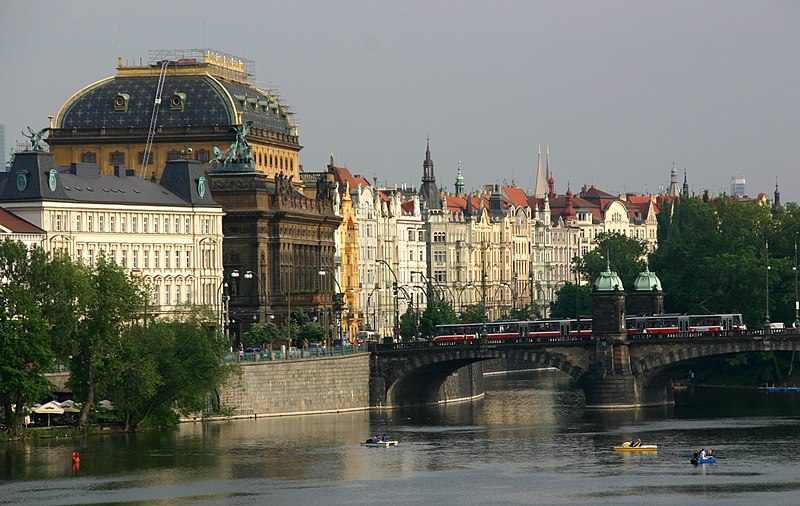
(380, 444)
(627, 447)
(707, 460)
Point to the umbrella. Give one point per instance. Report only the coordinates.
(50, 408)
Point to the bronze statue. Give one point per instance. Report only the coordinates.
(36, 138)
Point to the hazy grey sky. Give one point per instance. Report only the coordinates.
(619, 90)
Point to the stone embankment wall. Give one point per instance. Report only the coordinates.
(298, 386)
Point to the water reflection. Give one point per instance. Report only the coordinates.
(529, 440)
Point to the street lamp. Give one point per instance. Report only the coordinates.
(461, 292)
(338, 301)
(796, 323)
(766, 317)
(374, 313)
(503, 284)
(262, 293)
(394, 291)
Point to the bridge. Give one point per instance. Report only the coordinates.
(625, 371)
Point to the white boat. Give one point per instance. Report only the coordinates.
(381, 444)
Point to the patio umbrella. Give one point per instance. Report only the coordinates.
(50, 408)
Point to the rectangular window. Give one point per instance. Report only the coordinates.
(439, 256)
(134, 229)
(167, 292)
(187, 226)
(144, 225)
(208, 226)
(78, 223)
(177, 294)
(421, 236)
(80, 254)
(188, 294)
(166, 225)
(410, 236)
(135, 259)
(155, 225)
(124, 262)
(146, 254)
(58, 222)
(117, 159)
(101, 223)
(156, 257)
(188, 259)
(112, 224)
(177, 259)
(440, 276)
(166, 258)
(177, 226)
(89, 157)
(91, 257)
(122, 224)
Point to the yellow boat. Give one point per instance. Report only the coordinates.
(626, 447)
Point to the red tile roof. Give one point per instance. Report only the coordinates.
(17, 225)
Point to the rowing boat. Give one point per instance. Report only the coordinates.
(626, 447)
(380, 444)
(707, 460)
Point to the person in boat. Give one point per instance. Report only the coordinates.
(376, 439)
(696, 455)
(702, 454)
(637, 443)
(710, 453)
(385, 438)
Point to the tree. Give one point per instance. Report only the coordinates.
(170, 368)
(572, 301)
(261, 334)
(623, 255)
(112, 303)
(474, 313)
(25, 348)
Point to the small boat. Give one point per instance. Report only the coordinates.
(626, 447)
(707, 460)
(381, 444)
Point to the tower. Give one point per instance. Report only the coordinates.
(428, 193)
(459, 186)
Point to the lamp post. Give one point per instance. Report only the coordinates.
(262, 293)
(796, 322)
(337, 303)
(224, 298)
(766, 317)
(394, 292)
(503, 284)
(374, 313)
(461, 292)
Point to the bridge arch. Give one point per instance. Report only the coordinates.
(420, 380)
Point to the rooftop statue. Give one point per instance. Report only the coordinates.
(240, 151)
(36, 138)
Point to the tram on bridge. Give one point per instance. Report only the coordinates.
(581, 329)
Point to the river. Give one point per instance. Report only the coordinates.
(528, 441)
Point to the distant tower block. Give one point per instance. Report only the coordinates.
(647, 298)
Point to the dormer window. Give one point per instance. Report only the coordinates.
(121, 102)
(177, 101)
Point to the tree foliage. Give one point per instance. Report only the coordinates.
(713, 256)
(623, 255)
(572, 301)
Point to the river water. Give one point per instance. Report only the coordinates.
(529, 441)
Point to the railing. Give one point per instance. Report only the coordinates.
(295, 354)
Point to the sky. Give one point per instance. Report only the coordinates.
(621, 91)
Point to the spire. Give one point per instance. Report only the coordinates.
(776, 204)
(540, 185)
(569, 211)
(685, 186)
(459, 186)
(548, 162)
(428, 193)
(331, 166)
(674, 190)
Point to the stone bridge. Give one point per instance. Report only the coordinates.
(632, 371)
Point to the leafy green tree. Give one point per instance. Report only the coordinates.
(572, 301)
(474, 313)
(261, 333)
(436, 313)
(170, 368)
(624, 255)
(521, 314)
(25, 348)
(113, 302)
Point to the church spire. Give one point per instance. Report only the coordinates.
(540, 185)
(674, 190)
(776, 204)
(459, 186)
(428, 193)
(685, 186)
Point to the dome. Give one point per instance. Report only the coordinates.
(608, 281)
(197, 99)
(647, 281)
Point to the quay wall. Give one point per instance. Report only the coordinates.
(298, 386)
